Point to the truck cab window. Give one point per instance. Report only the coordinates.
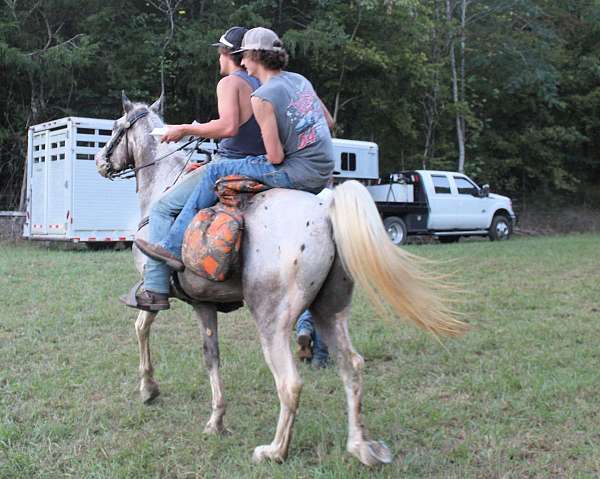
(441, 184)
(349, 161)
(464, 186)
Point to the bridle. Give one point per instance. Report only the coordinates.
(114, 142)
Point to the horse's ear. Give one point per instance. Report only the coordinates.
(158, 105)
(127, 105)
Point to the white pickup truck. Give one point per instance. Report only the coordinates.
(441, 203)
(444, 204)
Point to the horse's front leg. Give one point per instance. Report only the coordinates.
(149, 389)
(207, 315)
(274, 332)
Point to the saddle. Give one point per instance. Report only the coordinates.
(212, 241)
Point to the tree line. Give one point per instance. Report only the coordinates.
(506, 90)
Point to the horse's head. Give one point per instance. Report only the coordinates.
(130, 134)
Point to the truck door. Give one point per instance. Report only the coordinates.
(443, 203)
(472, 208)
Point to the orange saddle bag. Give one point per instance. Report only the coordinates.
(213, 240)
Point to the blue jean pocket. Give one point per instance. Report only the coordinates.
(257, 160)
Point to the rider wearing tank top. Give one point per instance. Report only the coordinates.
(248, 141)
(236, 123)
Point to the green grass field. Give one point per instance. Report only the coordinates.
(517, 397)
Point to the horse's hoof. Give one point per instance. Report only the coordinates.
(371, 453)
(262, 453)
(149, 392)
(214, 429)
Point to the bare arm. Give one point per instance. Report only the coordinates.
(225, 126)
(265, 117)
(328, 117)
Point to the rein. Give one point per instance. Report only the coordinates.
(130, 171)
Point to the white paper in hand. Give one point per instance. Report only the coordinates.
(158, 132)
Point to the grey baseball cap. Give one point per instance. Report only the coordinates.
(260, 38)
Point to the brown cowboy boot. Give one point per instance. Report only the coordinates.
(140, 298)
(305, 349)
(157, 252)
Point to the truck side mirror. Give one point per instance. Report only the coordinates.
(484, 192)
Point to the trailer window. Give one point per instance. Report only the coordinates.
(441, 184)
(464, 186)
(348, 161)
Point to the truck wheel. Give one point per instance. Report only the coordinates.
(500, 228)
(449, 239)
(396, 229)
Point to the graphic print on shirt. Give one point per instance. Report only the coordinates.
(306, 115)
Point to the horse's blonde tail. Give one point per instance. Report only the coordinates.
(382, 269)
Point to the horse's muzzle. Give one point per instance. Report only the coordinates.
(102, 165)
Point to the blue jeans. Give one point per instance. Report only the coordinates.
(305, 324)
(162, 215)
(194, 193)
(255, 167)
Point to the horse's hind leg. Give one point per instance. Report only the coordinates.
(207, 315)
(274, 325)
(331, 310)
(148, 386)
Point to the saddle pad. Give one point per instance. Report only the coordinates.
(235, 190)
(212, 241)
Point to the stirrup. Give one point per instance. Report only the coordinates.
(130, 299)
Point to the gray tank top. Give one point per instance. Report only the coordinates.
(248, 141)
(303, 130)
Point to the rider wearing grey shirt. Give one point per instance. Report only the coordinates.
(303, 129)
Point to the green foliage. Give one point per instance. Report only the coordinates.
(532, 74)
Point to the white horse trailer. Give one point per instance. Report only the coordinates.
(357, 160)
(68, 200)
(66, 197)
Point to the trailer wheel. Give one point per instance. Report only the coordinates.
(99, 245)
(396, 229)
(500, 229)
